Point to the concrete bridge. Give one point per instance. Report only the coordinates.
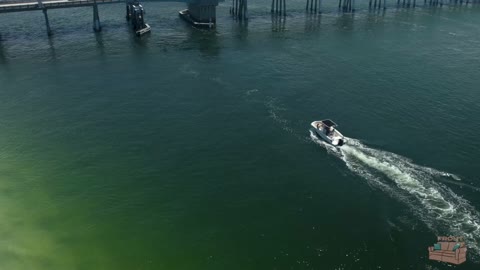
(53, 4)
(199, 10)
(203, 12)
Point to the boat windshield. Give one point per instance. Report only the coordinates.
(329, 123)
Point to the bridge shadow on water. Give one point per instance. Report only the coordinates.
(100, 43)
(374, 19)
(278, 23)
(3, 57)
(345, 22)
(240, 31)
(205, 40)
(313, 22)
(51, 49)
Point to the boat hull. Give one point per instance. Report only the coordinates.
(336, 139)
(323, 136)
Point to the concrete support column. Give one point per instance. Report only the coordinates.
(96, 19)
(47, 23)
(245, 11)
(204, 11)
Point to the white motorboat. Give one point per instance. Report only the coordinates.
(326, 129)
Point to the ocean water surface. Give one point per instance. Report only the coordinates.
(192, 149)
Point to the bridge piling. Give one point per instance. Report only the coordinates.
(313, 6)
(245, 9)
(97, 27)
(47, 23)
(242, 12)
(279, 7)
(239, 8)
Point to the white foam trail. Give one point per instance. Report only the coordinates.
(188, 70)
(439, 207)
(251, 91)
(274, 111)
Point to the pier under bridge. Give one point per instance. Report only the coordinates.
(203, 12)
(199, 10)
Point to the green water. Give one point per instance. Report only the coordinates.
(191, 149)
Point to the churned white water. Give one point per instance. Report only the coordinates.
(419, 187)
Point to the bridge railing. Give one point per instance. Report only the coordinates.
(52, 4)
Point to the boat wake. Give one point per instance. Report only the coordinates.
(443, 211)
(421, 188)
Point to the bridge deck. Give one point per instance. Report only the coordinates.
(50, 4)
